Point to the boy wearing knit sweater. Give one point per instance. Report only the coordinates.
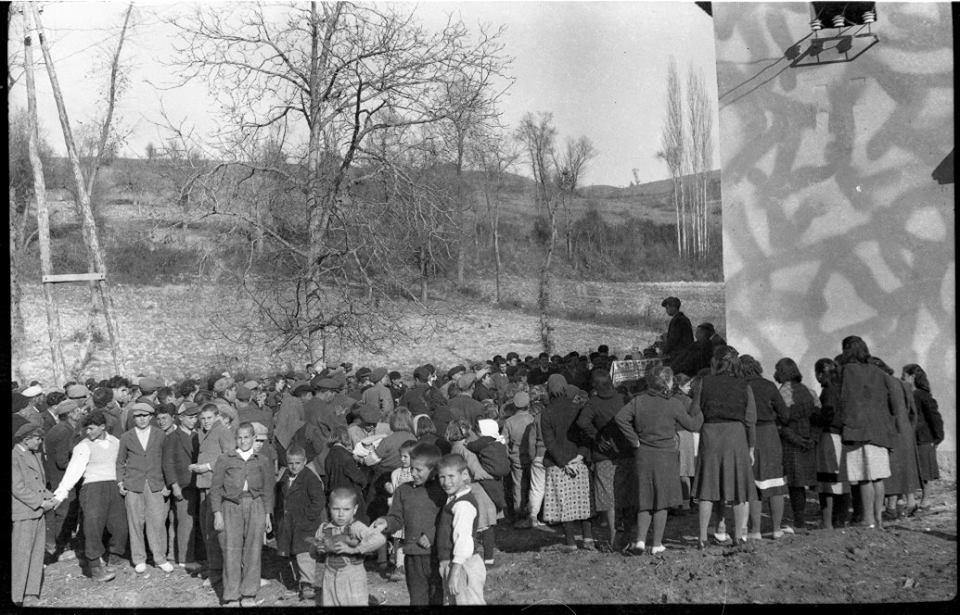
(461, 569)
(414, 510)
(94, 460)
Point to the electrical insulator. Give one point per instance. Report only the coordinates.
(838, 21)
(869, 17)
(816, 25)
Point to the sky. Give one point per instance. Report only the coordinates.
(599, 67)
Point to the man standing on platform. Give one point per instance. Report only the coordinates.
(679, 332)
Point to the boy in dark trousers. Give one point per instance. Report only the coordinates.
(415, 509)
(461, 569)
(303, 507)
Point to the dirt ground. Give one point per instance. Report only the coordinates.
(912, 560)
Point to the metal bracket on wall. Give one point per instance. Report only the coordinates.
(823, 51)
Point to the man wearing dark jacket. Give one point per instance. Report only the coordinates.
(58, 443)
(679, 331)
(180, 449)
(301, 508)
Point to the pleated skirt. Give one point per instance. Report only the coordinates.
(724, 472)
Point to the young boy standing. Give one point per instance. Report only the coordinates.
(345, 541)
(461, 568)
(414, 510)
(241, 497)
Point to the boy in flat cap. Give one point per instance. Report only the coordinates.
(140, 479)
(180, 449)
(30, 499)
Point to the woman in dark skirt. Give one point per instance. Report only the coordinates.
(727, 440)
(929, 429)
(834, 493)
(798, 438)
(904, 479)
(650, 422)
(768, 472)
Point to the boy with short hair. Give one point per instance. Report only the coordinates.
(461, 568)
(345, 540)
(241, 498)
(302, 507)
(414, 510)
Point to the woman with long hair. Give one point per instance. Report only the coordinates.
(929, 429)
(768, 474)
(834, 492)
(650, 423)
(798, 437)
(868, 409)
(727, 441)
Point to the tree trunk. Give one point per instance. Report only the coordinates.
(17, 331)
(496, 243)
(43, 219)
(543, 300)
(423, 275)
(676, 206)
(461, 208)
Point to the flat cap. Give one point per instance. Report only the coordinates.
(453, 371)
(189, 408)
(368, 413)
(77, 391)
(670, 301)
(466, 381)
(243, 393)
(222, 384)
(252, 384)
(378, 374)
(363, 372)
(302, 387)
(26, 430)
(521, 399)
(259, 430)
(326, 384)
(141, 408)
(32, 391)
(65, 406)
(149, 384)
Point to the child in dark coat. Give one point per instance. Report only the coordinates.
(303, 508)
(342, 469)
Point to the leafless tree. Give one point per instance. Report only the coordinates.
(342, 74)
(672, 143)
(699, 155)
(572, 165)
(538, 136)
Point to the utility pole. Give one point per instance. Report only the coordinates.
(86, 211)
(43, 216)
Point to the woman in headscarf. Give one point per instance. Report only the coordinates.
(727, 440)
(834, 492)
(768, 474)
(929, 429)
(798, 438)
(650, 423)
(567, 492)
(868, 410)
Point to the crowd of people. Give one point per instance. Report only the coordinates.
(333, 466)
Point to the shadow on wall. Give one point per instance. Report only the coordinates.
(832, 223)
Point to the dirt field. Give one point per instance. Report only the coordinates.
(178, 331)
(913, 560)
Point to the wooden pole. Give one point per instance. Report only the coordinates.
(43, 217)
(86, 211)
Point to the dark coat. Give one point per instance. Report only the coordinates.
(301, 508)
(180, 449)
(929, 421)
(58, 444)
(868, 402)
(679, 335)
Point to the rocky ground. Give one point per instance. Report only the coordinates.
(911, 560)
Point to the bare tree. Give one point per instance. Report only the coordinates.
(494, 155)
(699, 154)
(341, 73)
(538, 136)
(672, 149)
(572, 165)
